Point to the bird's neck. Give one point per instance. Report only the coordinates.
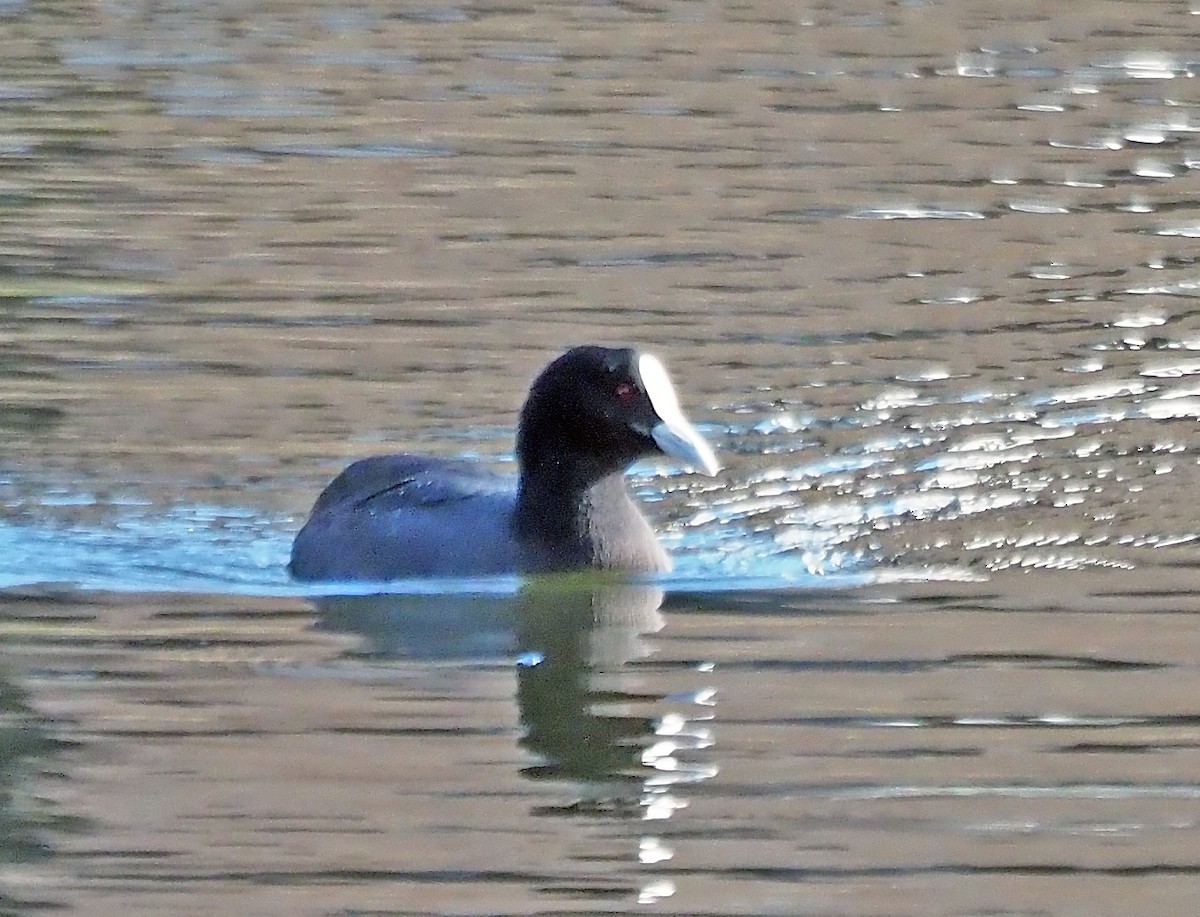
(556, 496)
(573, 515)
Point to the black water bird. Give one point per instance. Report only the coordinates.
(589, 415)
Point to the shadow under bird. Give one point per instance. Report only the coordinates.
(589, 415)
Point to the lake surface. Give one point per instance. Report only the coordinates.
(926, 276)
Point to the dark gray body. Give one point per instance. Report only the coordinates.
(399, 516)
(396, 516)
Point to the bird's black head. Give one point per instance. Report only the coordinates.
(599, 409)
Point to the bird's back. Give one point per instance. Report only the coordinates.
(397, 516)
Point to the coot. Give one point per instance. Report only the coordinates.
(589, 415)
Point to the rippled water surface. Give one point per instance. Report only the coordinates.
(926, 274)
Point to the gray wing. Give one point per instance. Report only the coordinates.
(395, 516)
(393, 482)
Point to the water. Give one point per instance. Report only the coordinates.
(926, 277)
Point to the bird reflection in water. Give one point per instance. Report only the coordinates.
(579, 642)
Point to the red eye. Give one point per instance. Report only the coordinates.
(624, 391)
